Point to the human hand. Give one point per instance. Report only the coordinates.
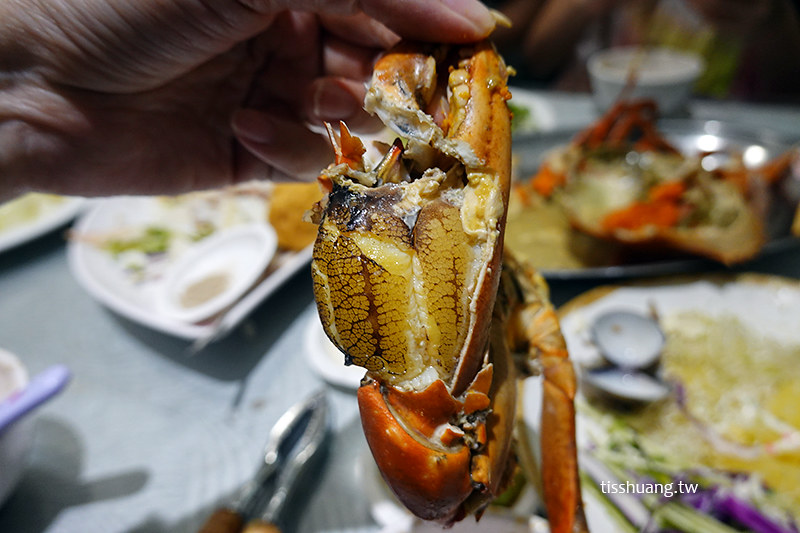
(109, 96)
(738, 17)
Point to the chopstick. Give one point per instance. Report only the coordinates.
(647, 16)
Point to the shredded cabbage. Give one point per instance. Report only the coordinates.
(740, 388)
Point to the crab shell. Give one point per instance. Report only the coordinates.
(591, 195)
(739, 241)
(406, 273)
(588, 199)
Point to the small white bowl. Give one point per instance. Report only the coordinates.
(15, 440)
(211, 276)
(662, 74)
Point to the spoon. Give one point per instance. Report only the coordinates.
(40, 389)
(632, 344)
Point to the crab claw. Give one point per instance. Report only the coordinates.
(431, 482)
(406, 271)
(444, 457)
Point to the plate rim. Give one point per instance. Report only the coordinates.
(338, 375)
(545, 119)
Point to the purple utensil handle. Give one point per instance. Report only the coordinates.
(40, 389)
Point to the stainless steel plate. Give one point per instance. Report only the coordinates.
(691, 137)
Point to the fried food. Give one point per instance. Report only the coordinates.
(287, 206)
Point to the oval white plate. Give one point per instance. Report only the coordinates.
(50, 218)
(236, 257)
(777, 301)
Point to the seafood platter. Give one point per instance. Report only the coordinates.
(631, 195)
(700, 433)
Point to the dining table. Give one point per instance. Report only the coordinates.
(151, 435)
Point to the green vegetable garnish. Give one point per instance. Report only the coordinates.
(154, 240)
(520, 115)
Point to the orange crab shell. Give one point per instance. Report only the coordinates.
(432, 484)
(444, 476)
(443, 450)
(429, 465)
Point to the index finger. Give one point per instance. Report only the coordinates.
(455, 21)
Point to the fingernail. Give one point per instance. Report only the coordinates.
(500, 18)
(473, 11)
(254, 126)
(333, 101)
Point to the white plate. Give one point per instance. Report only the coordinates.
(776, 302)
(50, 217)
(216, 272)
(108, 281)
(542, 115)
(327, 360)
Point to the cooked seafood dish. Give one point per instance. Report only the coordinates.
(622, 182)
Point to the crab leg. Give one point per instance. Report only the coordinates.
(535, 332)
(617, 125)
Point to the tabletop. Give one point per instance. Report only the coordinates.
(150, 437)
